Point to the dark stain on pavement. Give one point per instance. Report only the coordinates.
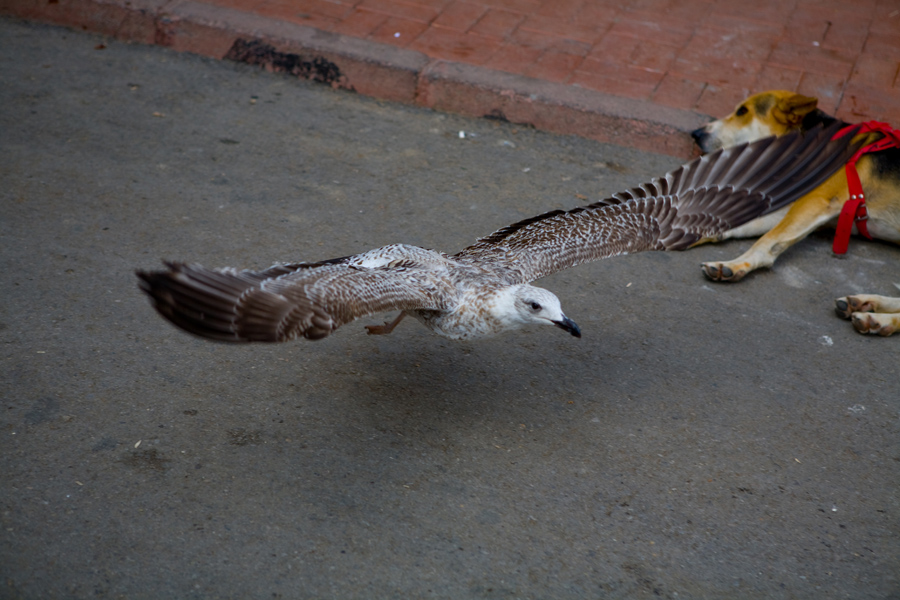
(242, 437)
(105, 443)
(255, 52)
(43, 410)
(146, 460)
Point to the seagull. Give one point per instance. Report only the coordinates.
(486, 288)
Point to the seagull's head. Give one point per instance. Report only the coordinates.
(532, 304)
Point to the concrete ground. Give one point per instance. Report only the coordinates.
(700, 440)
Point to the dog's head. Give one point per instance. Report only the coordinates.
(764, 114)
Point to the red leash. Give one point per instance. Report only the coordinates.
(854, 209)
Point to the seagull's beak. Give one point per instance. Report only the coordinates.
(569, 325)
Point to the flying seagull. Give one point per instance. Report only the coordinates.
(485, 289)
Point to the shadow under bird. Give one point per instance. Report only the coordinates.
(486, 288)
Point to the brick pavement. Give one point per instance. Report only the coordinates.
(635, 72)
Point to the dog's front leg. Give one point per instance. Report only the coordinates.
(804, 216)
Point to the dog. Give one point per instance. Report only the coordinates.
(776, 113)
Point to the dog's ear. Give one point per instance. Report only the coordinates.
(791, 110)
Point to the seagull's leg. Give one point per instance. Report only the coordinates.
(386, 328)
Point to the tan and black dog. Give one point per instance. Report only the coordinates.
(776, 113)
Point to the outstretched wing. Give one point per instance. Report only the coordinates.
(708, 196)
(285, 302)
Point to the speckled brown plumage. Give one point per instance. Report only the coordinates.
(484, 289)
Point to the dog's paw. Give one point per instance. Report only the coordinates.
(847, 305)
(731, 272)
(875, 323)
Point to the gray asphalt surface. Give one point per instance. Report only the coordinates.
(700, 441)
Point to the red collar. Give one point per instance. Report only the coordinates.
(854, 210)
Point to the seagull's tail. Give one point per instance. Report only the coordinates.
(232, 306)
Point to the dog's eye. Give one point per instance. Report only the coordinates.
(535, 306)
(740, 112)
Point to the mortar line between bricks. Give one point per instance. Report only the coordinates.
(846, 82)
(421, 97)
(158, 21)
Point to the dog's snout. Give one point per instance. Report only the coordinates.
(699, 134)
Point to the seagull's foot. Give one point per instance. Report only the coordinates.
(386, 328)
(379, 329)
(725, 271)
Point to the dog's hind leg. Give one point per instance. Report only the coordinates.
(751, 229)
(870, 313)
(884, 324)
(804, 216)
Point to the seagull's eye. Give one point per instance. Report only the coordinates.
(741, 111)
(535, 306)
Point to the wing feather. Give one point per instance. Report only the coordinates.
(706, 197)
(285, 302)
